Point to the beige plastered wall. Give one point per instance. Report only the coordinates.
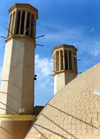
(17, 84)
(61, 79)
(5, 75)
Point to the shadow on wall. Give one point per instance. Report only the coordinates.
(37, 109)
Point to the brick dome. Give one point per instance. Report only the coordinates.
(73, 113)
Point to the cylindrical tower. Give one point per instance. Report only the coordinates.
(17, 83)
(64, 65)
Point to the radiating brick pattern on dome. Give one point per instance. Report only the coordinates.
(73, 113)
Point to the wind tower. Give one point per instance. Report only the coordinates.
(17, 83)
(64, 65)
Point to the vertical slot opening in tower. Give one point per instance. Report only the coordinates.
(61, 54)
(54, 62)
(32, 26)
(9, 25)
(75, 61)
(28, 24)
(17, 22)
(22, 22)
(13, 23)
(70, 60)
(66, 62)
(57, 61)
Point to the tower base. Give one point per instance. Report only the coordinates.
(61, 79)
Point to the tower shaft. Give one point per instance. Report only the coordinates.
(17, 83)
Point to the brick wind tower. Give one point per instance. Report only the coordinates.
(17, 83)
(64, 65)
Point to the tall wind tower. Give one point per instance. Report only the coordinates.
(17, 83)
(64, 65)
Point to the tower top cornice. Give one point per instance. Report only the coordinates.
(22, 5)
(64, 46)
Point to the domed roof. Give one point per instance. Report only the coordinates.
(74, 112)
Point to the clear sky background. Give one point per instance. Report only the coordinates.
(73, 22)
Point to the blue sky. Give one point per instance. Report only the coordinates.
(74, 22)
